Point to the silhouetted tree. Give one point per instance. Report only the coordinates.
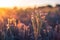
(50, 6)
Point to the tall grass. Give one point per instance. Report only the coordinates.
(37, 23)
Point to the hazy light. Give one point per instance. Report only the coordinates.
(25, 3)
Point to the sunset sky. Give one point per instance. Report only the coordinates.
(25, 3)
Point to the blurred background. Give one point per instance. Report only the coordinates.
(29, 20)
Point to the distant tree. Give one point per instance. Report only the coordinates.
(41, 7)
(57, 5)
(50, 6)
